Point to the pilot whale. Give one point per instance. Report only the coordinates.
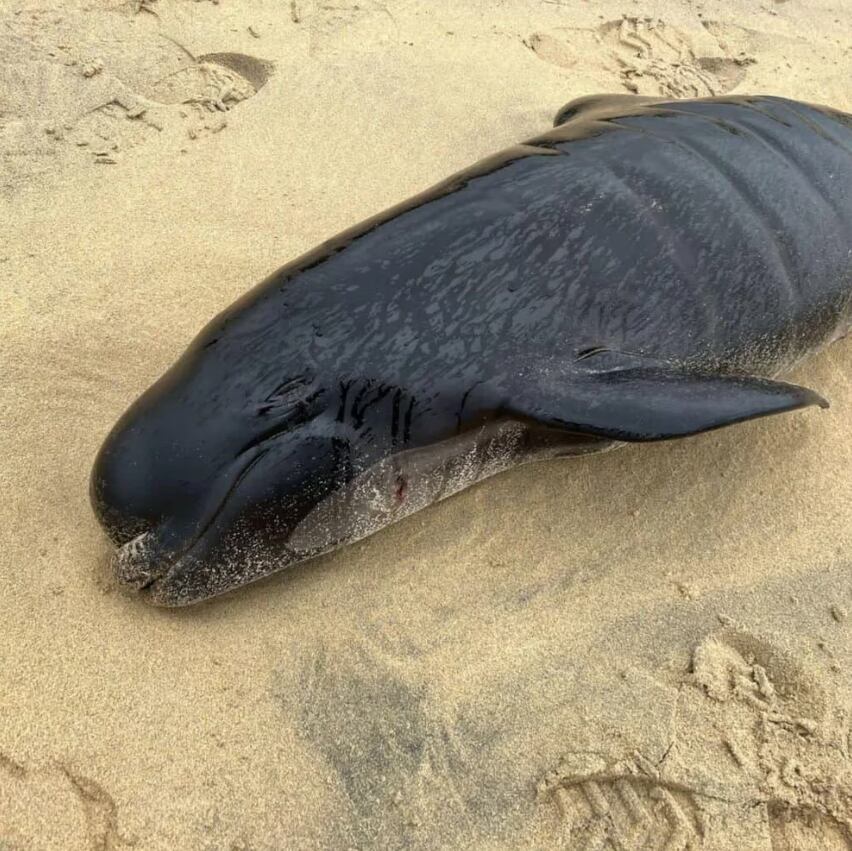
(642, 271)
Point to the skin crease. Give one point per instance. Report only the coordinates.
(640, 272)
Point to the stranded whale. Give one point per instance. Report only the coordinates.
(643, 271)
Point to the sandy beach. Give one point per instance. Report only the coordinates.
(621, 651)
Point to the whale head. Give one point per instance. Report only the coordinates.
(203, 481)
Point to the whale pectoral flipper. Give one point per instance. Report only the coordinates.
(652, 403)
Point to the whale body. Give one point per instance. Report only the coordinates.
(643, 271)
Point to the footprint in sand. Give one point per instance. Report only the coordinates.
(797, 828)
(98, 83)
(198, 95)
(627, 813)
(651, 57)
(785, 730)
(656, 58)
(759, 745)
(331, 26)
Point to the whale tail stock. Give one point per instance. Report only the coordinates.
(641, 403)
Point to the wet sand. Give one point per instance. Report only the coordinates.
(648, 646)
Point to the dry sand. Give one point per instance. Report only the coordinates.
(621, 651)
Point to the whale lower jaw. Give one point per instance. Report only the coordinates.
(140, 567)
(175, 580)
(136, 564)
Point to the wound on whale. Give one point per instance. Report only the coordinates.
(642, 271)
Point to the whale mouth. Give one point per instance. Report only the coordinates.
(140, 563)
(136, 565)
(140, 568)
(166, 578)
(167, 565)
(162, 581)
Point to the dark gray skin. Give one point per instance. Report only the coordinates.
(641, 272)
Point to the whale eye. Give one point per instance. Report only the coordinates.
(590, 351)
(289, 396)
(291, 404)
